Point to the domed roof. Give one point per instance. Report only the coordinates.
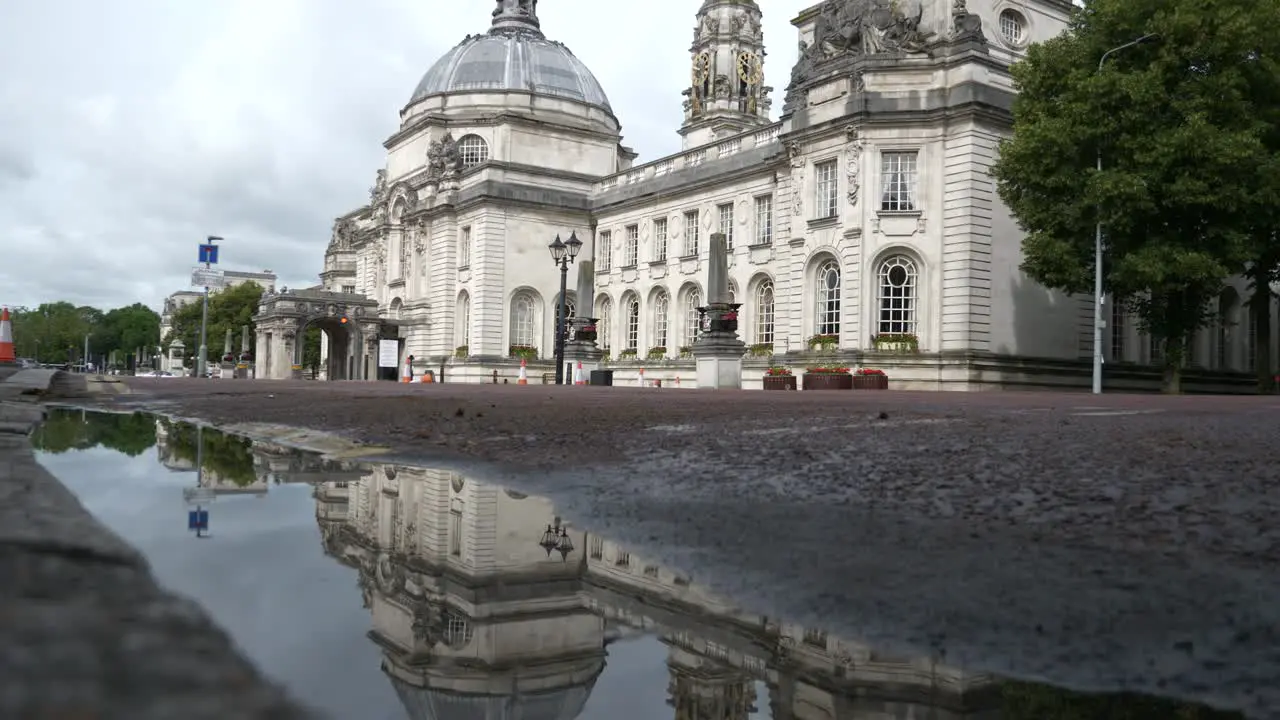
(514, 55)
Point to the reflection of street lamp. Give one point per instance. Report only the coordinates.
(563, 253)
(556, 538)
(1097, 244)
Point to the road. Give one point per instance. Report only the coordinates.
(1120, 541)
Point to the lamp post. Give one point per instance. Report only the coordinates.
(556, 538)
(1097, 243)
(210, 257)
(563, 254)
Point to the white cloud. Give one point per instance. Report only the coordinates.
(129, 131)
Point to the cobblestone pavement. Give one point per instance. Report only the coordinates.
(1098, 541)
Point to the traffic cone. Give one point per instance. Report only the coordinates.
(7, 354)
(407, 375)
(579, 377)
(641, 377)
(524, 377)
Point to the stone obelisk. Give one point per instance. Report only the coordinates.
(227, 366)
(717, 350)
(244, 364)
(581, 346)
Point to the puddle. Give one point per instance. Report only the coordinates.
(374, 590)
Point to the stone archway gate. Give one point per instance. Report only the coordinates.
(283, 318)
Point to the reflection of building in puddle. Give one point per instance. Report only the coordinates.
(471, 612)
(227, 466)
(473, 618)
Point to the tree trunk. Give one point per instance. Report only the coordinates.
(1171, 383)
(1261, 305)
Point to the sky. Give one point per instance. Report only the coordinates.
(131, 130)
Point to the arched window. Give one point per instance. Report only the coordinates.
(473, 149)
(764, 312)
(1222, 329)
(827, 309)
(692, 301)
(523, 316)
(604, 323)
(897, 296)
(733, 291)
(463, 331)
(660, 308)
(633, 324)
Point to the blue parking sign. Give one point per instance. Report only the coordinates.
(209, 253)
(198, 520)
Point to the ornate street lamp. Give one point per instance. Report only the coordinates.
(563, 254)
(556, 538)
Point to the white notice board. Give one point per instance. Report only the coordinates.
(388, 353)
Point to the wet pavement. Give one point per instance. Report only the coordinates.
(384, 590)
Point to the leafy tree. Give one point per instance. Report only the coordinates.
(229, 309)
(125, 329)
(66, 430)
(1177, 123)
(226, 457)
(311, 350)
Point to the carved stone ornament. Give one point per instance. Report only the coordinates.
(365, 584)
(420, 237)
(390, 576)
(428, 623)
(853, 160)
(797, 179)
(344, 234)
(443, 158)
(378, 193)
(965, 25)
(710, 26)
(862, 27)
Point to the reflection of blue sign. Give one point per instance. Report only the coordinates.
(209, 254)
(198, 520)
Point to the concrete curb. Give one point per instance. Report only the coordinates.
(85, 630)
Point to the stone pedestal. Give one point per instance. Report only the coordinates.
(581, 347)
(718, 355)
(228, 370)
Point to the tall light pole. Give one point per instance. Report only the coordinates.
(563, 253)
(209, 256)
(1097, 244)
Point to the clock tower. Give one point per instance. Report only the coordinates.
(726, 93)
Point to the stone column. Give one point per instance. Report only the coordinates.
(228, 365)
(718, 350)
(581, 345)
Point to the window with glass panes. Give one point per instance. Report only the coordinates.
(826, 187)
(691, 233)
(659, 239)
(604, 249)
(631, 250)
(764, 220)
(898, 179)
(726, 223)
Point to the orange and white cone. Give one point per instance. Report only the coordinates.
(407, 374)
(579, 377)
(524, 376)
(7, 353)
(641, 377)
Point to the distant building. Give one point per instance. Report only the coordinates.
(266, 278)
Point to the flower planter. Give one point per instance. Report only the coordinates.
(779, 382)
(870, 382)
(828, 381)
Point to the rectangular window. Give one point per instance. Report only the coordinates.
(349, 289)
(764, 220)
(659, 239)
(1118, 329)
(604, 248)
(898, 177)
(597, 547)
(691, 233)
(631, 251)
(464, 248)
(826, 186)
(726, 224)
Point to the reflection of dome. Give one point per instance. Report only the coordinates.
(514, 55)
(432, 704)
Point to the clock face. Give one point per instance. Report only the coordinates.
(749, 67)
(701, 67)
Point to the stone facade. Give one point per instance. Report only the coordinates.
(863, 221)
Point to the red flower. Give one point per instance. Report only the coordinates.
(729, 316)
(870, 371)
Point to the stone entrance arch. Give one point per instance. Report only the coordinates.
(284, 317)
